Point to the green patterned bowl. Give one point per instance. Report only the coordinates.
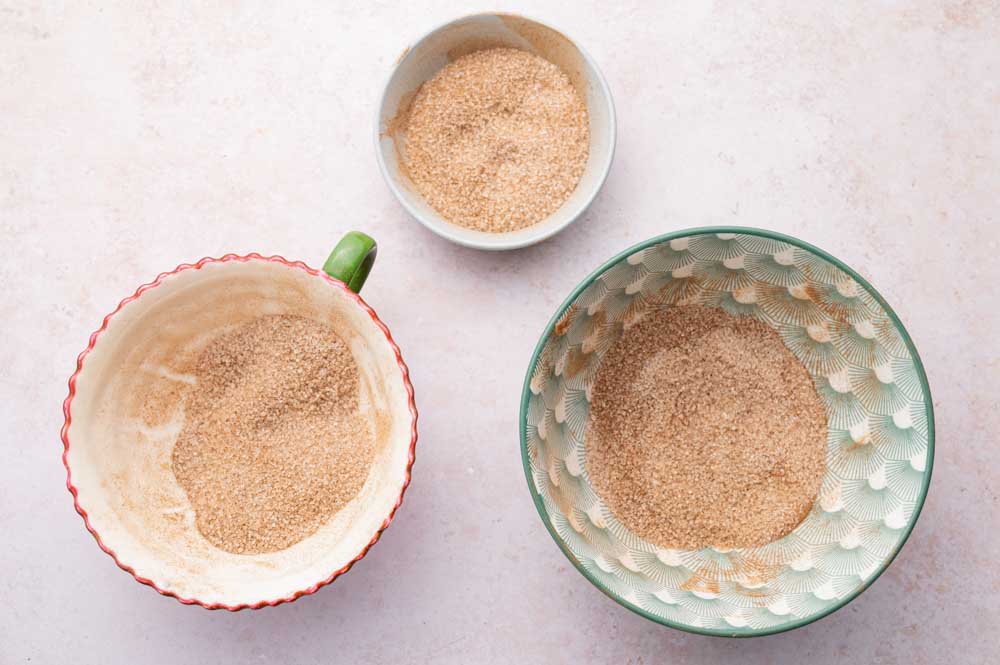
(880, 438)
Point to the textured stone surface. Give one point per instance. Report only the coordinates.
(134, 139)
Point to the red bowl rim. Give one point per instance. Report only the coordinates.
(67, 414)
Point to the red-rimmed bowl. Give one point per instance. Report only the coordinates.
(125, 406)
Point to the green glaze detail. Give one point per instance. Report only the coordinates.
(880, 444)
(352, 259)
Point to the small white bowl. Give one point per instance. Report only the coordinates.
(426, 57)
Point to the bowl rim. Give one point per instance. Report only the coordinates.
(764, 233)
(67, 421)
(489, 241)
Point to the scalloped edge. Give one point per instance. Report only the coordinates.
(67, 415)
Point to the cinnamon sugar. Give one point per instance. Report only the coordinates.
(705, 431)
(273, 444)
(497, 140)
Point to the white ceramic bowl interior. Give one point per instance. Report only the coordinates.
(120, 457)
(473, 33)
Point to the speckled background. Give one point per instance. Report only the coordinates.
(132, 139)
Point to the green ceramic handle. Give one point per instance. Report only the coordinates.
(351, 260)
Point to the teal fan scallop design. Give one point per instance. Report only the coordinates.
(880, 439)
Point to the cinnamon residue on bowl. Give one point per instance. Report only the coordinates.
(497, 140)
(273, 444)
(705, 431)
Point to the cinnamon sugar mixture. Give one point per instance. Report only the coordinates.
(273, 444)
(705, 431)
(497, 140)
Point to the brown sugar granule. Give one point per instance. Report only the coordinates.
(705, 431)
(497, 140)
(273, 444)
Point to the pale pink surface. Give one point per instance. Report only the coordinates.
(132, 140)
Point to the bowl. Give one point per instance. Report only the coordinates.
(880, 443)
(118, 457)
(427, 56)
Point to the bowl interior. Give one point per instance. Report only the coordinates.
(464, 36)
(880, 436)
(120, 450)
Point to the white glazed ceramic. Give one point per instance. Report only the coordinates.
(427, 56)
(118, 457)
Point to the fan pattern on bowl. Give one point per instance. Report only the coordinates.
(877, 442)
